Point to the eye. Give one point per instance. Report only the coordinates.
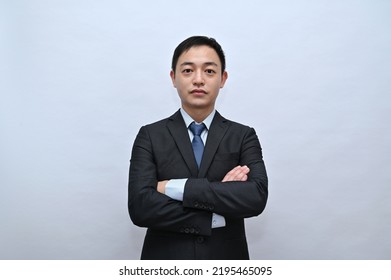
(210, 71)
(187, 70)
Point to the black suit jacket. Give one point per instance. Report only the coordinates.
(182, 229)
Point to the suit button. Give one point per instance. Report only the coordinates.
(187, 230)
(200, 239)
(192, 230)
(196, 204)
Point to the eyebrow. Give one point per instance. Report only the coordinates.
(206, 63)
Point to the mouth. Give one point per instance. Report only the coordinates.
(198, 92)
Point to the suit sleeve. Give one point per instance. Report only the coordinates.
(149, 208)
(233, 199)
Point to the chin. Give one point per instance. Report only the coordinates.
(200, 105)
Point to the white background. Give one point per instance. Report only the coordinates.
(79, 78)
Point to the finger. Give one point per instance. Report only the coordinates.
(241, 177)
(237, 174)
(244, 178)
(231, 174)
(235, 169)
(245, 169)
(240, 172)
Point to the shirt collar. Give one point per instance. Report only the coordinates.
(188, 120)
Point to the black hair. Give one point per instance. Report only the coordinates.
(196, 41)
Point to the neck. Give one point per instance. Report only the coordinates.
(199, 115)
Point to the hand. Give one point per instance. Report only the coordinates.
(161, 186)
(239, 173)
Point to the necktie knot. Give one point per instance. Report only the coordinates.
(197, 128)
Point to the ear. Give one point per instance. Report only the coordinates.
(224, 78)
(172, 75)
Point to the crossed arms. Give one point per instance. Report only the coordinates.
(240, 192)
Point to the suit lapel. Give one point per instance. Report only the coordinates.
(216, 132)
(176, 126)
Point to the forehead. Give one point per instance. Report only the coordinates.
(199, 55)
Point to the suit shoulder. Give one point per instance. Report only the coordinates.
(156, 124)
(241, 130)
(160, 124)
(238, 126)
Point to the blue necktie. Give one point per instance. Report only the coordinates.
(198, 145)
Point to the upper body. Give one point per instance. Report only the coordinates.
(230, 184)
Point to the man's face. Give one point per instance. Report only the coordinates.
(198, 78)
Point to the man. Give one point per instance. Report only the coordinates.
(195, 176)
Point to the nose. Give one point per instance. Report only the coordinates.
(198, 78)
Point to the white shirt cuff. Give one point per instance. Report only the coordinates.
(217, 221)
(175, 188)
